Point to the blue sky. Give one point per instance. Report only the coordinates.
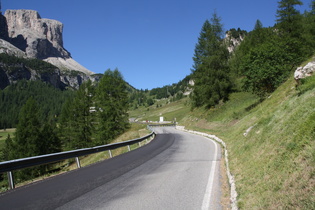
(151, 42)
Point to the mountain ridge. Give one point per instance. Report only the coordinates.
(26, 35)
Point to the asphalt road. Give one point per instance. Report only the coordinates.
(176, 170)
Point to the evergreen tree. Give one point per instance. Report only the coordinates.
(289, 23)
(65, 125)
(51, 142)
(31, 139)
(111, 106)
(210, 69)
(8, 150)
(288, 16)
(28, 136)
(76, 120)
(313, 7)
(201, 46)
(83, 119)
(308, 24)
(258, 25)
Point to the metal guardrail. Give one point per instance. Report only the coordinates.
(9, 166)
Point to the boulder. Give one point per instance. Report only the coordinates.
(304, 71)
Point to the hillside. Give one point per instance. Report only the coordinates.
(274, 162)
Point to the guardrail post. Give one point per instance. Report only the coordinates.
(78, 162)
(11, 180)
(129, 148)
(110, 153)
(139, 144)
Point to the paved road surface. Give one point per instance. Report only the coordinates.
(176, 170)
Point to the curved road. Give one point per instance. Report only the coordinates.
(176, 170)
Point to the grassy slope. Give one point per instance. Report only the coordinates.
(169, 111)
(274, 165)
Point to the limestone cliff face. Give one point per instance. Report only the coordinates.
(23, 33)
(8, 48)
(3, 28)
(39, 38)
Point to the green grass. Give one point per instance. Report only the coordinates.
(169, 111)
(274, 165)
(307, 84)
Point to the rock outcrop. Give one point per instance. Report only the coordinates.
(3, 27)
(304, 71)
(233, 38)
(11, 73)
(233, 42)
(8, 48)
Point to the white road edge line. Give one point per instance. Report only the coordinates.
(207, 196)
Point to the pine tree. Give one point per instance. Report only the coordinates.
(28, 138)
(51, 142)
(289, 23)
(258, 25)
(83, 118)
(8, 150)
(111, 106)
(200, 49)
(210, 69)
(76, 120)
(65, 125)
(309, 28)
(313, 7)
(28, 135)
(287, 15)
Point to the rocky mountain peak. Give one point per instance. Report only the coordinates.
(24, 34)
(39, 38)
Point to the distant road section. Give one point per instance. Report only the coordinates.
(176, 170)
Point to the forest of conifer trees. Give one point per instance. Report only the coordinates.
(51, 120)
